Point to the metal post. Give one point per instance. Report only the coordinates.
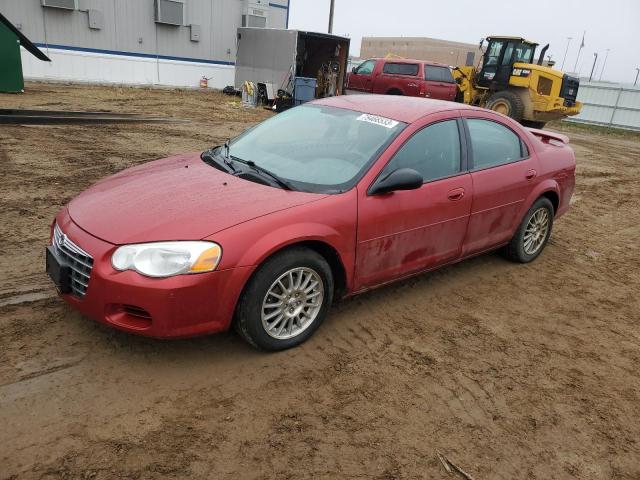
(331, 16)
(595, 59)
(604, 64)
(565, 52)
(575, 67)
(615, 107)
(637, 72)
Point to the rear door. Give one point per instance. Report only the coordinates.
(407, 231)
(360, 78)
(398, 77)
(440, 84)
(503, 172)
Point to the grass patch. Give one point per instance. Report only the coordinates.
(566, 126)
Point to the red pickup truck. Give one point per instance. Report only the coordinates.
(393, 76)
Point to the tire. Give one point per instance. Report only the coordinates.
(517, 250)
(281, 329)
(532, 124)
(394, 91)
(508, 103)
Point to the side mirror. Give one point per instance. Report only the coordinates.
(400, 179)
(353, 70)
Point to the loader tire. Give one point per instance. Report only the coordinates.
(507, 103)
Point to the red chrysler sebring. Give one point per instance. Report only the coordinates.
(326, 200)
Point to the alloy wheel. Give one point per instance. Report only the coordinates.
(536, 231)
(292, 303)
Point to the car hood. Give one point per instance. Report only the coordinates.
(176, 198)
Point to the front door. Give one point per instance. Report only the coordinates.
(360, 78)
(407, 231)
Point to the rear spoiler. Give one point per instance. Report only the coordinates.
(546, 136)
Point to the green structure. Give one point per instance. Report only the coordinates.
(11, 79)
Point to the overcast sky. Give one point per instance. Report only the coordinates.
(613, 24)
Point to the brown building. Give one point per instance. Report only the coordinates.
(421, 48)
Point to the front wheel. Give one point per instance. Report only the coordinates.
(286, 300)
(533, 233)
(508, 103)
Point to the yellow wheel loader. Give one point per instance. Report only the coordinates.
(511, 83)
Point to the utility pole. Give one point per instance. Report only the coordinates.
(565, 52)
(595, 59)
(604, 64)
(637, 72)
(331, 15)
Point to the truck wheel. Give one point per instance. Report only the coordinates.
(507, 103)
(286, 300)
(394, 91)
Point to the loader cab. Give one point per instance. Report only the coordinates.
(500, 55)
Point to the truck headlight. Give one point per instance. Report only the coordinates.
(166, 259)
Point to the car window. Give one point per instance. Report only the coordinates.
(493, 144)
(434, 152)
(401, 68)
(438, 74)
(366, 68)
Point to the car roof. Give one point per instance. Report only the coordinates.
(395, 107)
(409, 60)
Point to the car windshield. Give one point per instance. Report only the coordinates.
(316, 148)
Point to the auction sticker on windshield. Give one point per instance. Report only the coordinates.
(377, 120)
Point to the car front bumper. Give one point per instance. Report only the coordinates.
(180, 306)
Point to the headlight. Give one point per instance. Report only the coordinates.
(166, 259)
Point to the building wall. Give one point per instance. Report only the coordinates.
(420, 48)
(131, 48)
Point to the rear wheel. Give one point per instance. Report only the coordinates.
(286, 300)
(533, 233)
(507, 103)
(394, 91)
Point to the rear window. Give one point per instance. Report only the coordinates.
(438, 74)
(401, 68)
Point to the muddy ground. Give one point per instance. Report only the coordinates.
(511, 371)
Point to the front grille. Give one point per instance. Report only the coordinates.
(78, 260)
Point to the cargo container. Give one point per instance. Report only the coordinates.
(273, 59)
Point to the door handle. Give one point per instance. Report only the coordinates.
(456, 194)
(412, 84)
(531, 174)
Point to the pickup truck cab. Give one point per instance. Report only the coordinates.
(413, 78)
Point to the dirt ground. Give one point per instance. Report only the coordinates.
(510, 371)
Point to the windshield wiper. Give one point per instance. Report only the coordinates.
(280, 181)
(213, 158)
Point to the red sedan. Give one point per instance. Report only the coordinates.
(326, 200)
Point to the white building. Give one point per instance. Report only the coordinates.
(139, 42)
